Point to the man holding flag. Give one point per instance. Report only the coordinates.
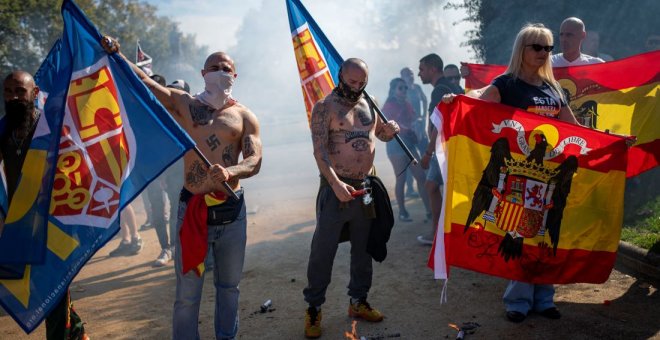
(20, 93)
(91, 153)
(343, 129)
(209, 218)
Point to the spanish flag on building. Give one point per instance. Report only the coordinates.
(527, 198)
(620, 96)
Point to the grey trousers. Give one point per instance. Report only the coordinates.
(331, 216)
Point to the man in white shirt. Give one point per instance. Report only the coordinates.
(571, 35)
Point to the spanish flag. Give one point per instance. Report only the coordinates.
(619, 96)
(527, 197)
(194, 231)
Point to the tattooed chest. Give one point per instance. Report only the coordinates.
(356, 140)
(357, 117)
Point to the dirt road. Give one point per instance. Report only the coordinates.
(126, 298)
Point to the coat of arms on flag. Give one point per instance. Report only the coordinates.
(94, 149)
(528, 198)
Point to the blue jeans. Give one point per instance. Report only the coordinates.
(523, 297)
(227, 246)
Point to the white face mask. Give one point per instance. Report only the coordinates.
(218, 88)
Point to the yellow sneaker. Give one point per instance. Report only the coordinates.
(362, 309)
(312, 323)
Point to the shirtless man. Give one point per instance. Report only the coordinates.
(344, 128)
(222, 129)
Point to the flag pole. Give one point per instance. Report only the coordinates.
(397, 137)
(208, 164)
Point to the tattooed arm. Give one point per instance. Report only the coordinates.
(386, 131)
(320, 140)
(251, 146)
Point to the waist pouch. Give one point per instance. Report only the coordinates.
(226, 212)
(220, 214)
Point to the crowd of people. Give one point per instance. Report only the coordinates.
(344, 127)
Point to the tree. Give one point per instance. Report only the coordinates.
(623, 25)
(28, 28)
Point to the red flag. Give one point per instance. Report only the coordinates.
(528, 198)
(619, 96)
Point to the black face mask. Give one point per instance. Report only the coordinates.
(345, 91)
(18, 113)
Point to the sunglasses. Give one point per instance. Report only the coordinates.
(538, 48)
(405, 88)
(454, 78)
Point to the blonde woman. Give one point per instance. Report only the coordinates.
(528, 84)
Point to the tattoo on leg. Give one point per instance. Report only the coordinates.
(196, 175)
(213, 142)
(200, 113)
(228, 155)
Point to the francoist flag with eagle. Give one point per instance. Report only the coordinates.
(527, 197)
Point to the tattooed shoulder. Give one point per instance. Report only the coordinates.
(200, 113)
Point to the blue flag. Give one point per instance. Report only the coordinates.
(318, 61)
(113, 138)
(23, 240)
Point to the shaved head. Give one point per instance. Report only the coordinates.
(19, 92)
(354, 73)
(21, 76)
(574, 23)
(571, 35)
(219, 61)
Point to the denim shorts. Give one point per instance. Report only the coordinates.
(433, 174)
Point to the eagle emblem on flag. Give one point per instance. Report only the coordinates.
(523, 197)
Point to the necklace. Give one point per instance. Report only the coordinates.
(18, 143)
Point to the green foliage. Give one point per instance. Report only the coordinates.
(28, 28)
(644, 230)
(623, 24)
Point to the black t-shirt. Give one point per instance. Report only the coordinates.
(441, 88)
(13, 154)
(542, 100)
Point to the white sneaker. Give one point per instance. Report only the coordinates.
(164, 257)
(423, 240)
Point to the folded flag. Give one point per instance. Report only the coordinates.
(194, 232)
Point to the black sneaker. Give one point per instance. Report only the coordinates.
(516, 317)
(551, 313)
(135, 246)
(146, 226)
(122, 250)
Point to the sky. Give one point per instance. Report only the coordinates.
(387, 34)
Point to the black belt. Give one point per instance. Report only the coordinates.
(186, 195)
